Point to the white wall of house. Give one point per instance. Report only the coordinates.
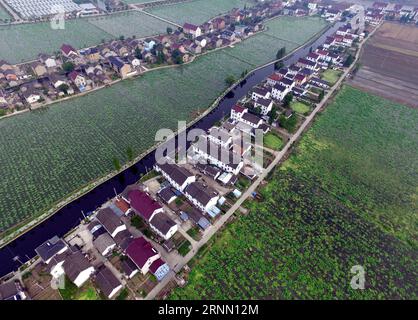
(114, 291)
(145, 268)
(168, 235)
(83, 276)
(118, 229)
(279, 95)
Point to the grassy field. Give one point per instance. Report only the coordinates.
(263, 47)
(331, 76)
(346, 197)
(197, 11)
(24, 42)
(273, 141)
(300, 107)
(48, 154)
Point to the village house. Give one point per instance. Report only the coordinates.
(78, 80)
(12, 290)
(74, 265)
(279, 91)
(107, 282)
(38, 69)
(104, 244)
(220, 137)
(51, 248)
(110, 221)
(121, 67)
(143, 254)
(177, 176)
(237, 112)
(258, 93)
(218, 156)
(204, 198)
(265, 105)
(163, 225)
(68, 51)
(193, 30)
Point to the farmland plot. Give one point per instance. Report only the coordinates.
(25, 41)
(263, 48)
(197, 11)
(47, 155)
(130, 24)
(347, 197)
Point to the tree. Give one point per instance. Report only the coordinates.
(288, 124)
(288, 99)
(121, 38)
(230, 80)
(278, 65)
(169, 30)
(138, 53)
(64, 88)
(321, 95)
(349, 60)
(244, 73)
(177, 57)
(68, 66)
(130, 153)
(280, 53)
(272, 115)
(116, 164)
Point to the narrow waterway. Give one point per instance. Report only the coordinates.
(22, 249)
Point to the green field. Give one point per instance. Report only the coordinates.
(346, 197)
(331, 76)
(299, 107)
(4, 14)
(25, 41)
(264, 46)
(273, 141)
(48, 154)
(197, 11)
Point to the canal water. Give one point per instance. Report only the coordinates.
(22, 249)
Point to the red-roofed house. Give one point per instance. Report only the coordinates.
(274, 78)
(142, 254)
(192, 29)
(123, 206)
(77, 79)
(237, 112)
(143, 204)
(68, 50)
(159, 269)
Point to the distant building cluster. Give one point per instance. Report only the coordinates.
(40, 8)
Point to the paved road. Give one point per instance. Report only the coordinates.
(279, 156)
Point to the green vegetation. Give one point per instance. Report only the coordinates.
(184, 248)
(331, 76)
(288, 123)
(346, 197)
(72, 292)
(273, 141)
(123, 294)
(26, 41)
(49, 154)
(197, 11)
(194, 232)
(300, 107)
